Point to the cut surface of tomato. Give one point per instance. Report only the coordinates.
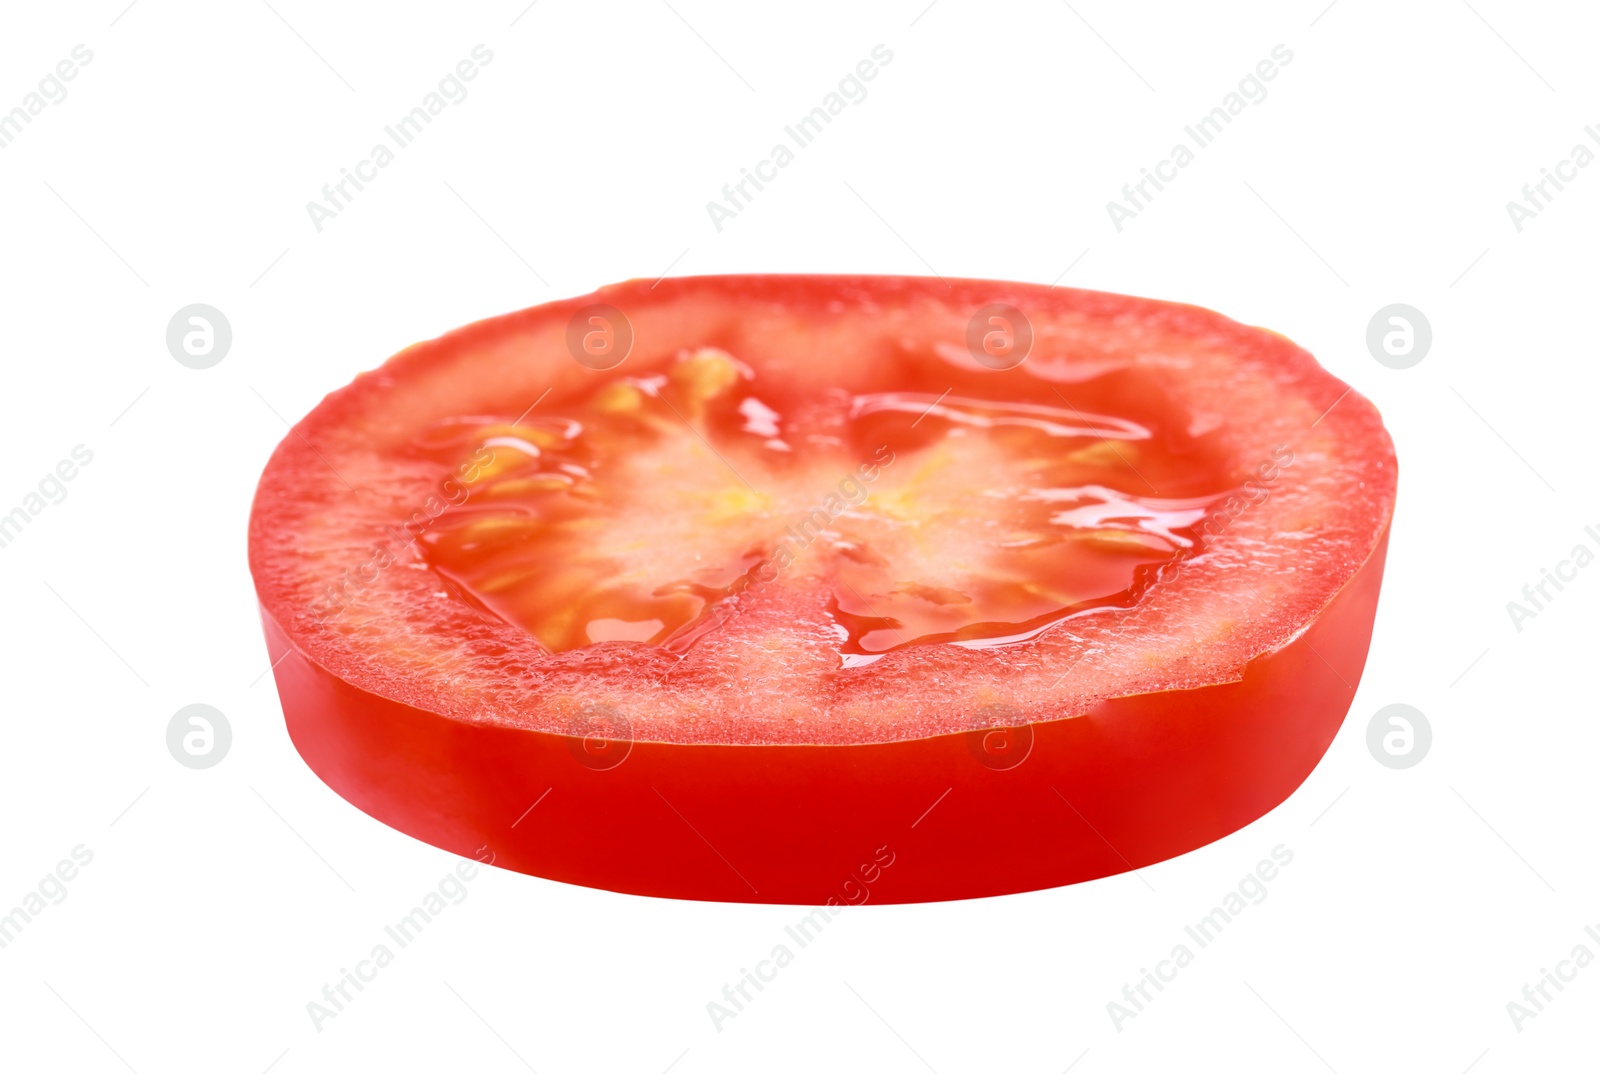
(746, 572)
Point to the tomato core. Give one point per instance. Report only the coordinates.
(632, 509)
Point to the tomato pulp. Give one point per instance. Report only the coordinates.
(826, 589)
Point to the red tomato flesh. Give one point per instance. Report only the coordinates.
(800, 583)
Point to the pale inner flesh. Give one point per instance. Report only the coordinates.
(645, 509)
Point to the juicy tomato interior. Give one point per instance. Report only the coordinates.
(975, 511)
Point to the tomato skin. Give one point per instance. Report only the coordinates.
(1133, 782)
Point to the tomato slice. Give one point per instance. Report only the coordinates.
(823, 589)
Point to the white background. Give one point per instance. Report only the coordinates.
(218, 903)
